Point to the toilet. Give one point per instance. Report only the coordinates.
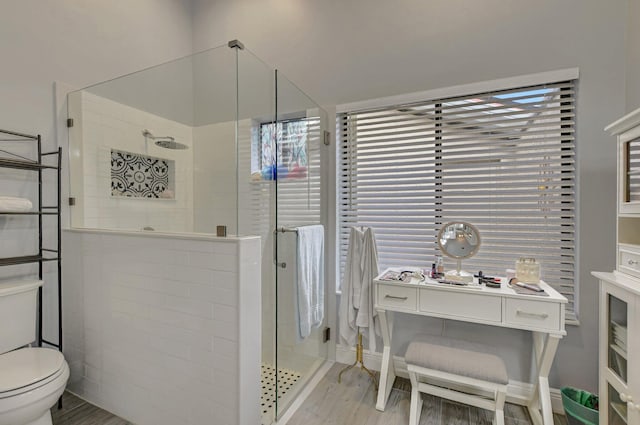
(32, 379)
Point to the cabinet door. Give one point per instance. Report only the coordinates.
(618, 373)
(629, 175)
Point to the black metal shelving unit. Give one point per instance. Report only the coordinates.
(19, 162)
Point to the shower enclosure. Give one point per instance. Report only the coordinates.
(214, 142)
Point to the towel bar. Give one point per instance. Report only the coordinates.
(277, 230)
(285, 229)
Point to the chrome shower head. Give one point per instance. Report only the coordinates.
(167, 142)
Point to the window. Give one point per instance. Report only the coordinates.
(503, 161)
(286, 178)
(281, 150)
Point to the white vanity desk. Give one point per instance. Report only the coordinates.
(543, 316)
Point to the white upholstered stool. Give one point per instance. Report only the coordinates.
(456, 370)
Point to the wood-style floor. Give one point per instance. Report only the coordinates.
(76, 411)
(353, 402)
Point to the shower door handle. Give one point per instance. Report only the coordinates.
(275, 251)
(275, 246)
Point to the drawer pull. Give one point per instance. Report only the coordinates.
(396, 298)
(527, 313)
(632, 262)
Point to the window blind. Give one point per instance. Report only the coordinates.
(503, 161)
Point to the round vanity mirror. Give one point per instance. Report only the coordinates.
(459, 240)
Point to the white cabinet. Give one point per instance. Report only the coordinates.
(619, 349)
(619, 370)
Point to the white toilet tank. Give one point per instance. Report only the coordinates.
(18, 305)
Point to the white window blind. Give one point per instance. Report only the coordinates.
(503, 161)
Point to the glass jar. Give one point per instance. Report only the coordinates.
(528, 270)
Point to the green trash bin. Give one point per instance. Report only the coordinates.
(581, 407)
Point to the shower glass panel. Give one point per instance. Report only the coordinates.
(217, 138)
(298, 135)
(125, 173)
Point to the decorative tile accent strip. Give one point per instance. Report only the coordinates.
(286, 379)
(138, 176)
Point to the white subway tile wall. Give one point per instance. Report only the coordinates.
(161, 330)
(103, 125)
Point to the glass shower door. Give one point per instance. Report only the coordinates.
(298, 135)
(278, 140)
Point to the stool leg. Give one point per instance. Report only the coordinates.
(416, 401)
(500, 398)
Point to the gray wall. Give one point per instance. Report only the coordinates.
(344, 51)
(633, 56)
(79, 43)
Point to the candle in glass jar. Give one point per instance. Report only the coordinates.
(528, 270)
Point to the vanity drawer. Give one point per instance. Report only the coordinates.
(401, 297)
(629, 261)
(461, 304)
(532, 314)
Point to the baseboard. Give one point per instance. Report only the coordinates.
(517, 392)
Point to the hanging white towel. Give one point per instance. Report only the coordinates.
(350, 298)
(367, 316)
(310, 285)
(11, 204)
(356, 303)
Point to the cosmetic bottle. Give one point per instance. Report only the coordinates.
(439, 265)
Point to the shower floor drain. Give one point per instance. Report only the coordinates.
(286, 379)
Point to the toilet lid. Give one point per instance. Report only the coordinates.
(27, 366)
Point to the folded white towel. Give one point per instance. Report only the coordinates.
(11, 204)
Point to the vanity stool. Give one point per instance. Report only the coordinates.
(456, 370)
